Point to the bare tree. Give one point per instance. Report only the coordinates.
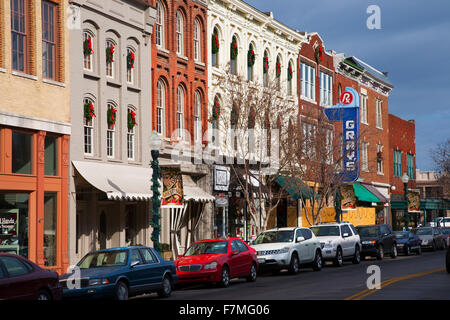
(441, 157)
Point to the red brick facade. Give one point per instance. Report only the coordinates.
(175, 70)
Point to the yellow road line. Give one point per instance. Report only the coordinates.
(367, 292)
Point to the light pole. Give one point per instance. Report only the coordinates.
(405, 180)
(155, 144)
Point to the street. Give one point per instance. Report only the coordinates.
(425, 276)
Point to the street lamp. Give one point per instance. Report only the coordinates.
(405, 180)
(155, 144)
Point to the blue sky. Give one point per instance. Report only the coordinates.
(413, 45)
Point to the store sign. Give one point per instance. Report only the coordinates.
(172, 196)
(221, 201)
(8, 223)
(221, 178)
(347, 111)
(348, 197)
(413, 201)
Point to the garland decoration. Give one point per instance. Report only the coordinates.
(233, 49)
(289, 72)
(278, 68)
(215, 42)
(112, 117)
(251, 57)
(110, 54)
(130, 60)
(131, 119)
(265, 63)
(87, 47)
(318, 54)
(216, 110)
(89, 111)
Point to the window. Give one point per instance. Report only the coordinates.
(88, 129)
(346, 229)
(215, 45)
(397, 163)
(266, 69)
(88, 42)
(242, 246)
(250, 62)
(364, 108)
(136, 256)
(149, 257)
(234, 245)
(364, 156)
(308, 82)
(180, 112)
(197, 45)
(110, 133)
(14, 266)
(110, 58)
(19, 34)
(307, 234)
(51, 156)
(50, 231)
(131, 56)
(131, 136)
(379, 115)
(160, 25)
(326, 89)
(329, 146)
(22, 151)
(410, 166)
(290, 75)
(197, 117)
(49, 39)
(309, 133)
(379, 159)
(278, 68)
(180, 36)
(160, 107)
(233, 55)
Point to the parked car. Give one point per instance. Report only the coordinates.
(447, 260)
(440, 222)
(339, 242)
(288, 248)
(120, 273)
(377, 240)
(446, 233)
(408, 242)
(432, 238)
(217, 261)
(21, 279)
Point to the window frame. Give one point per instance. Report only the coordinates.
(308, 82)
(181, 103)
(53, 44)
(197, 41)
(179, 33)
(160, 25)
(197, 117)
(326, 89)
(379, 114)
(160, 106)
(130, 72)
(89, 127)
(364, 156)
(90, 60)
(110, 66)
(22, 34)
(110, 135)
(131, 134)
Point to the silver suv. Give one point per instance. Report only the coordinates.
(339, 242)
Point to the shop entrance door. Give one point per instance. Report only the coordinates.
(282, 214)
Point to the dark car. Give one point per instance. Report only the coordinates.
(120, 273)
(446, 232)
(377, 240)
(432, 238)
(447, 260)
(21, 279)
(407, 242)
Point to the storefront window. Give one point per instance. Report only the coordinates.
(22, 150)
(51, 160)
(14, 223)
(50, 229)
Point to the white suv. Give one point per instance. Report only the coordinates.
(288, 248)
(339, 242)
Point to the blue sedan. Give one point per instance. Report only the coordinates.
(120, 273)
(407, 242)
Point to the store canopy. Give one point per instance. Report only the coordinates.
(193, 192)
(296, 188)
(364, 194)
(372, 189)
(117, 181)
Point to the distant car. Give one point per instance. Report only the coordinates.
(339, 242)
(120, 273)
(217, 261)
(440, 222)
(408, 242)
(446, 234)
(432, 238)
(377, 240)
(288, 248)
(21, 279)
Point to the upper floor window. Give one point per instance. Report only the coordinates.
(197, 43)
(364, 108)
(88, 123)
(111, 130)
(215, 123)
(308, 82)
(160, 25)
(290, 76)
(180, 112)
(49, 30)
(278, 72)
(266, 69)
(379, 112)
(131, 59)
(180, 33)
(380, 169)
(397, 163)
(309, 134)
(215, 46)
(88, 51)
(131, 134)
(233, 55)
(410, 170)
(110, 51)
(326, 89)
(364, 156)
(19, 34)
(197, 117)
(160, 107)
(250, 62)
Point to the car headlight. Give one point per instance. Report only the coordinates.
(211, 266)
(284, 250)
(98, 282)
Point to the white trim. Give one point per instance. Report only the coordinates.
(2, 70)
(28, 122)
(55, 83)
(24, 75)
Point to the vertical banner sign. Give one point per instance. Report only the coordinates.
(348, 197)
(347, 111)
(413, 201)
(172, 196)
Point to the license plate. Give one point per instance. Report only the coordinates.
(261, 260)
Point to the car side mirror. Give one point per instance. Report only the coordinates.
(300, 239)
(234, 252)
(134, 264)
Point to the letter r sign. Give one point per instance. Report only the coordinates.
(346, 98)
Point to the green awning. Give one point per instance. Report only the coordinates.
(363, 194)
(296, 188)
(398, 205)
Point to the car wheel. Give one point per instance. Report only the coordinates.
(294, 265)
(225, 279)
(121, 291)
(43, 295)
(252, 276)
(394, 252)
(357, 256)
(339, 260)
(166, 289)
(317, 265)
(380, 253)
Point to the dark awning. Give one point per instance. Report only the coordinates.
(296, 188)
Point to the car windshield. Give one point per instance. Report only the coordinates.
(210, 247)
(275, 237)
(401, 235)
(368, 231)
(325, 231)
(424, 231)
(104, 259)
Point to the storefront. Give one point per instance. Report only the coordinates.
(33, 195)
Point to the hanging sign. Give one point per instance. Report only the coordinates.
(413, 201)
(348, 197)
(347, 111)
(172, 196)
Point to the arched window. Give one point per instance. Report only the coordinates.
(88, 50)
(160, 25)
(234, 55)
(216, 118)
(131, 59)
(110, 55)
(180, 34)
(197, 117)
(250, 62)
(215, 46)
(111, 130)
(197, 43)
(88, 123)
(180, 112)
(290, 76)
(278, 72)
(266, 68)
(131, 134)
(160, 107)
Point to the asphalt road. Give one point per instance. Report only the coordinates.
(413, 277)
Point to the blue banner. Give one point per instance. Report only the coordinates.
(347, 111)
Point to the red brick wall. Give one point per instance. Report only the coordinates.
(175, 70)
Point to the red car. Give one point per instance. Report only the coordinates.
(21, 279)
(217, 261)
